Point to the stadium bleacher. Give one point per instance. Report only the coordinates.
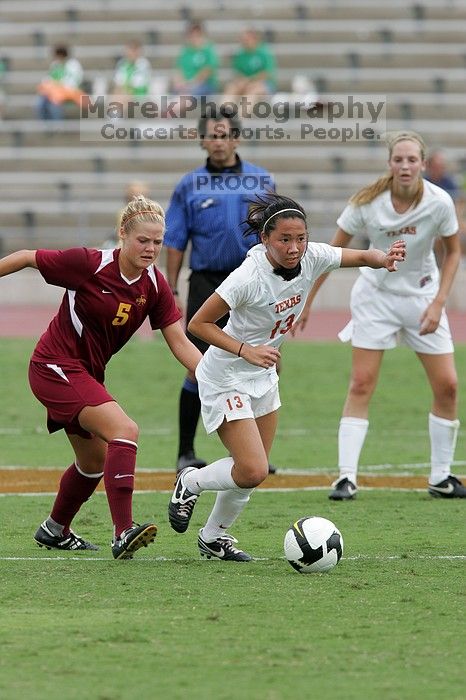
(58, 189)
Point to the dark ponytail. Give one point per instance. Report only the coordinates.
(267, 209)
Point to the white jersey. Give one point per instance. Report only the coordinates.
(264, 307)
(434, 216)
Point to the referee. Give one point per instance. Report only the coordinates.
(207, 209)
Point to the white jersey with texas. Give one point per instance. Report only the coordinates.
(264, 307)
(434, 216)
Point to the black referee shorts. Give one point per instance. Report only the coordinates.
(202, 284)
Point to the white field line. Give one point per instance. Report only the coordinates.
(357, 557)
(364, 470)
(393, 489)
(368, 469)
(293, 472)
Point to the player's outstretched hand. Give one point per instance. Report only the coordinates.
(396, 254)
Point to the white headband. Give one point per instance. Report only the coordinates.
(281, 212)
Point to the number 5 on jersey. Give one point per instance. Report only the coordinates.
(122, 315)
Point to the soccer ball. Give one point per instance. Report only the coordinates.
(313, 544)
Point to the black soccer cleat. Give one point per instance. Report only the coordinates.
(70, 542)
(132, 539)
(343, 490)
(451, 487)
(222, 548)
(272, 469)
(182, 503)
(189, 459)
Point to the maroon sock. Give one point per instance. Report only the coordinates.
(75, 488)
(119, 482)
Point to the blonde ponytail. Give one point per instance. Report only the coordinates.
(370, 192)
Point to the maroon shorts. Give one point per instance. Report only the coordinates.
(64, 393)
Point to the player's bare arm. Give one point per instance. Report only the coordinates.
(174, 263)
(182, 348)
(355, 258)
(375, 258)
(430, 319)
(340, 239)
(17, 261)
(203, 326)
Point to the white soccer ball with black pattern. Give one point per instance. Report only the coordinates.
(313, 544)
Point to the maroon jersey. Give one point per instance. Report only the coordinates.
(101, 309)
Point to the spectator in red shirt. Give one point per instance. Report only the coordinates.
(109, 293)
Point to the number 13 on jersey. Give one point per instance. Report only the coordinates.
(282, 327)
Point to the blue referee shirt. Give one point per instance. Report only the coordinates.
(208, 207)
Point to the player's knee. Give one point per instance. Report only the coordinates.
(127, 430)
(362, 384)
(250, 475)
(452, 389)
(253, 479)
(93, 465)
(449, 390)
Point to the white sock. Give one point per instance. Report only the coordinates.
(228, 506)
(443, 434)
(213, 477)
(351, 435)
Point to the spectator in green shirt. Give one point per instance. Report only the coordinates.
(62, 85)
(253, 67)
(132, 72)
(196, 65)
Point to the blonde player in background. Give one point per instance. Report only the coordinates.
(410, 307)
(238, 382)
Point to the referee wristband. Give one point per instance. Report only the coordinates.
(240, 348)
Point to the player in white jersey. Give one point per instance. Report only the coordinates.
(238, 382)
(410, 308)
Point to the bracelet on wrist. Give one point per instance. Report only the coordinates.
(240, 348)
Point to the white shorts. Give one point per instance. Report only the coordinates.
(234, 405)
(382, 320)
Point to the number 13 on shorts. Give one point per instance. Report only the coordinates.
(237, 406)
(234, 402)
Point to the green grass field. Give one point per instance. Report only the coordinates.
(386, 623)
(146, 380)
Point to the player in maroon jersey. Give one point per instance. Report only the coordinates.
(108, 295)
